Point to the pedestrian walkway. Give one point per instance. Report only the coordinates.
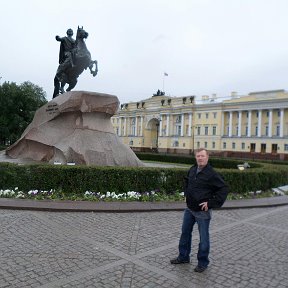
(44, 249)
(89, 206)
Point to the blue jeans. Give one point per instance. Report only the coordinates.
(203, 220)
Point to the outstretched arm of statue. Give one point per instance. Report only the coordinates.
(58, 38)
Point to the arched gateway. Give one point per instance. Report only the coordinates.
(151, 133)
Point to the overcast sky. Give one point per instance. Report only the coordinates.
(205, 46)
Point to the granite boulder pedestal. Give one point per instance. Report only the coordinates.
(75, 127)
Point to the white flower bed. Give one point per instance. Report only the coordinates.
(88, 195)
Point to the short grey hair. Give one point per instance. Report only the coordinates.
(201, 149)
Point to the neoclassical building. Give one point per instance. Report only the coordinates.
(250, 126)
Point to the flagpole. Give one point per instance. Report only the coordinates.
(164, 75)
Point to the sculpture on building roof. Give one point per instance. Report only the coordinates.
(159, 93)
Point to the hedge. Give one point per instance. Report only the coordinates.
(78, 179)
(190, 160)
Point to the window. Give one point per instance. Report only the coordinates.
(175, 144)
(274, 148)
(132, 127)
(178, 130)
(233, 145)
(199, 115)
(198, 145)
(246, 130)
(242, 145)
(263, 148)
(214, 130)
(285, 147)
(178, 119)
(205, 144)
(164, 130)
(207, 115)
(224, 145)
(214, 115)
(267, 114)
(213, 145)
(198, 130)
(237, 130)
(256, 130)
(206, 130)
(266, 130)
(277, 130)
(257, 114)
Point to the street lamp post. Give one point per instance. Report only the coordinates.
(192, 138)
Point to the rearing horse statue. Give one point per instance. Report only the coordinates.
(72, 67)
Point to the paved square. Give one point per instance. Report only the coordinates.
(249, 248)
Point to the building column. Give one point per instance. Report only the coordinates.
(120, 127)
(141, 126)
(190, 125)
(259, 123)
(160, 126)
(281, 122)
(223, 124)
(125, 124)
(129, 126)
(230, 123)
(136, 126)
(270, 123)
(167, 124)
(182, 124)
(249, 123)
(239, 123)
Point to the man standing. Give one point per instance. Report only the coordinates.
(204, 189)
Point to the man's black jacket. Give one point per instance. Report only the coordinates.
(207, 185)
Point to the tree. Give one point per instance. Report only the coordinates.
(18, 105)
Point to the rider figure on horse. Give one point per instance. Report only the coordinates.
(66, 53)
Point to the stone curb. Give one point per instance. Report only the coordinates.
(90, 206)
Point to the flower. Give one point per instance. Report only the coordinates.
(33, 192)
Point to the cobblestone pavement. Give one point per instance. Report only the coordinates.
(249, 248)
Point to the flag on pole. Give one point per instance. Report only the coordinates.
(165, 74)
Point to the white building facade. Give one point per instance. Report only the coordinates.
(251, 126)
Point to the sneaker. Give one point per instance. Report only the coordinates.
(199, 269)
(178, 261)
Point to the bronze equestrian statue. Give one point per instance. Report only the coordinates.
(74, 58)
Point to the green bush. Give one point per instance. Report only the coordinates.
(78, 179)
